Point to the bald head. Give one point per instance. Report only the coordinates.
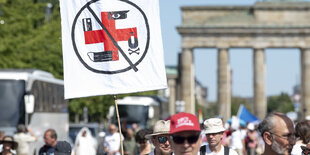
(278, 134)
(130, 133)
(273, 119)
(112, 128)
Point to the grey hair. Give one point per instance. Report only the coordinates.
(21, 128)
(267, 124)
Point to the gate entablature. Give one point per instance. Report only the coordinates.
(266, 24)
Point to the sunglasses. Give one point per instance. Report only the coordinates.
(180, 140)
(162, 140)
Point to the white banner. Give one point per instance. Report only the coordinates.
(111, 47)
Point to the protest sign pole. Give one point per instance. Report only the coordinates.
(119, 124)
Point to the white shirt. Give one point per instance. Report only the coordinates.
(23, 141)
(297, 149)
(243, 133)
(236, 140)
(221, 152)
(112, 142)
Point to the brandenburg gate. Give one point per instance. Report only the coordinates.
(267, 24)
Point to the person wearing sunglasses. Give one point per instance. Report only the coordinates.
(214, 133)
(277, 131)
(160, 138)
(185, 134)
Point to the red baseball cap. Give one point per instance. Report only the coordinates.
(183, 122)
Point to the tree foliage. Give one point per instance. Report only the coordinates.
(237, 101)
(281, 103)
(97, 106)
(27, 39)
(212, 108)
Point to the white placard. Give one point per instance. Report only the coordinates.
(111, 47)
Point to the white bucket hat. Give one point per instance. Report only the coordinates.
(213, 125)
(161, 127)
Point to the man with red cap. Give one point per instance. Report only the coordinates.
(185, 134)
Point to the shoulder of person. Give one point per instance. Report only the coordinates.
(152, 152)
(203, 149)
(41, 148)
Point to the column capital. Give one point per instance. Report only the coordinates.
(223, 48)
(187, 49)
(305, 49)
(258, 49)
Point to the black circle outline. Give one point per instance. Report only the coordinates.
(116, 71)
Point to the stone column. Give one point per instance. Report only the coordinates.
(224, 84)
(187, 80)
(172, 92)
(260, 101)
(305, 82)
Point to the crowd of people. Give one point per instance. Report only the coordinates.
(180, 134)
(19, 143)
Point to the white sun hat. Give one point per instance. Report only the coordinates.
(213, 125)
(161, 127)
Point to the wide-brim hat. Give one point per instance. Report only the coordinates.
(161, 127)
(213, 125)
(9, 139)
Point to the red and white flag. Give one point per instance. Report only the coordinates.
(111, 47)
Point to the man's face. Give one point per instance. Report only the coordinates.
(214, 139)
(283, 137)
(186, 142)
(48, 139)
(112, 129)
(162, 144)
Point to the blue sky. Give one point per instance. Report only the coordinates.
(282, 65)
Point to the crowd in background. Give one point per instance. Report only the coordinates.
(174, 135)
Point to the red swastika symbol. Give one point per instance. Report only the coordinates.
(100, 36)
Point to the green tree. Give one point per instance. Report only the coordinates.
(237, 101)
(211, 110)
(97, 106)
(28, 40)
(281, 103)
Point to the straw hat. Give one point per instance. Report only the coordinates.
(161, 127)
(9, 139)
(213, 125)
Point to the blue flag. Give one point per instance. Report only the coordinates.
(245, 115)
